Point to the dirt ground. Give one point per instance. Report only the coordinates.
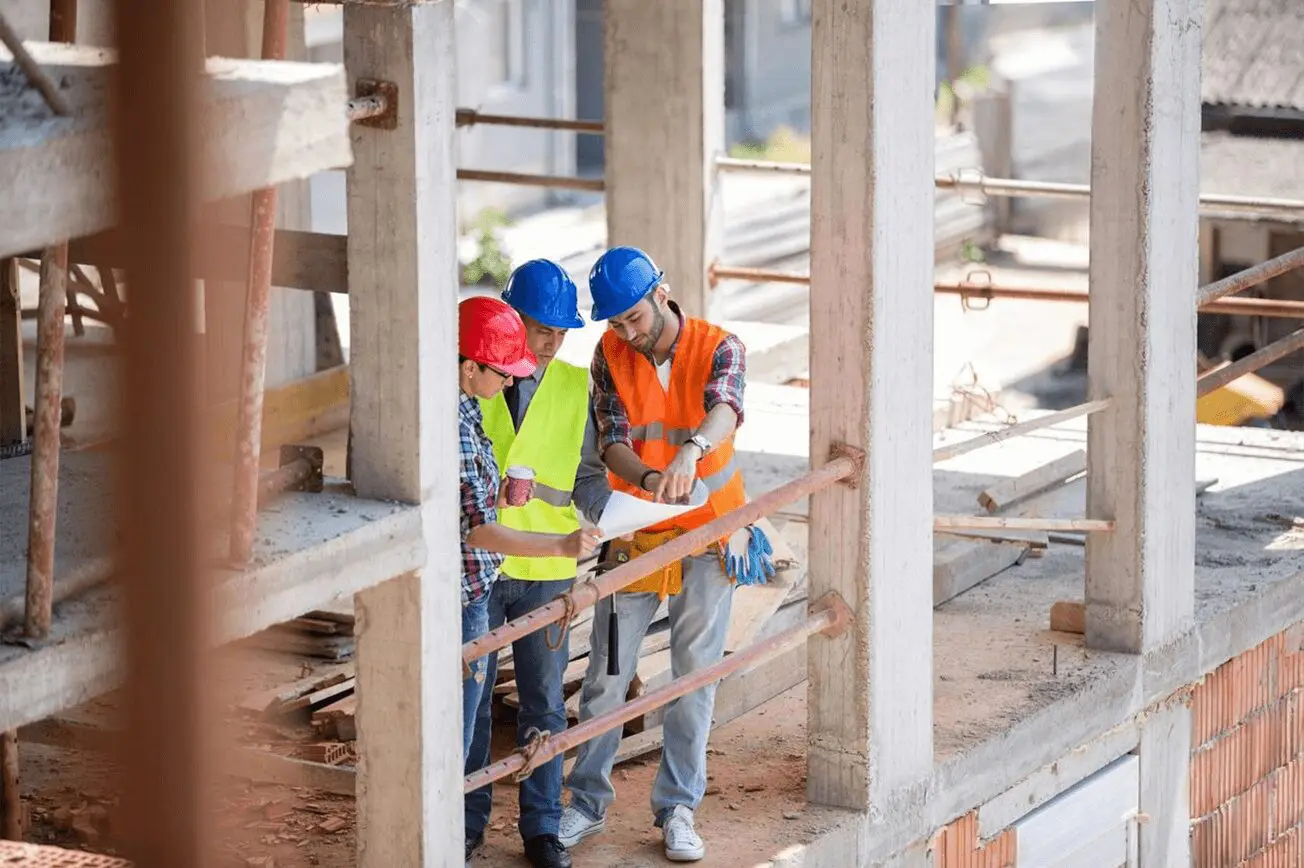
(757, 777)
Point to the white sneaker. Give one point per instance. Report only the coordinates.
(575, 827)
(682, 841)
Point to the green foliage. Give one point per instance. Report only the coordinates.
(490, 266)
(785, 145)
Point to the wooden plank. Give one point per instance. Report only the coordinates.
(959, 566)
(300, 260)
(265, 123)
(754, 605)
(13, 414)
(267, 700)
(1008, 492)
(1068, 616)
(296, 411)
(631, 747)
(257, 765)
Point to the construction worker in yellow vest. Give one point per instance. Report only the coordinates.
(667, 398)
(539, 427)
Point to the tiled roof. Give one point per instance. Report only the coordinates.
(1254, 53)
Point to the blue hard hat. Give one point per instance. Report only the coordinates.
(619, 280)
(542, 290)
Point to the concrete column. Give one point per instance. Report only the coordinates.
(403, 297)
(1144, 258)
(664, 128)
(871, 709)
(1165, 755)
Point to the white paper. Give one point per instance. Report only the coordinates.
(625, 513)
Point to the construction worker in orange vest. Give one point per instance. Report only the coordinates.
(667, 398)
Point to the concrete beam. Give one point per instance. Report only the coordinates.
(664, 121)
(267, 122)
(403, 287)
(1144, 260)
(871, 699)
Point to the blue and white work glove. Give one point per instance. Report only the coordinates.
(749, 557)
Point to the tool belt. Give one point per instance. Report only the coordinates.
(668, 580)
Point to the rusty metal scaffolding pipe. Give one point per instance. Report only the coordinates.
(1243, 280)
(273, 482)
(587, 593)
(362, 107)
(10, 793)
(1279, 349)
(830, 617)
(43, 508)
(522, 179)
(470, 117)
(253, 368)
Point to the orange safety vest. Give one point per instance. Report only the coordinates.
(662, 420)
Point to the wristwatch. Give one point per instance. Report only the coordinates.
(701, 443)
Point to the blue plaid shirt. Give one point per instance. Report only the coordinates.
(478, 484)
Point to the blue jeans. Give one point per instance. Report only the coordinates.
(538, 683)
(699, 624)
(475, 623)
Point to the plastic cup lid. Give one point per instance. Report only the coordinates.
(517, 471)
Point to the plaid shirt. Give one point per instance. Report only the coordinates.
(478, 485)
(725, 386)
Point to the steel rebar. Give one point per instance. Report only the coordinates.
(470, 117)
(1219, 377)
(43, 507)
(587, 593)
(253, 368)
(830, 617)
(523, 179)
(1243, 280)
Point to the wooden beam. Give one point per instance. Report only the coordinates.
(403, 284)
(1008, 492)
(265, 122)
(315, 261)
(13, 412)
(871, 698)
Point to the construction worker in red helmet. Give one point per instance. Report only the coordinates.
(541, 424)
(492, 352)
(667, 398)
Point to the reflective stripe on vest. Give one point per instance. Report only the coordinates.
(549, 441)
(662, 420)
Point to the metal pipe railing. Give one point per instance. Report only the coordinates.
(253, 368)
(587, 593)
(1243, 280)
(830, 616)
(1014, 188)
(1219, 377)
(524, 179)
(466, 117)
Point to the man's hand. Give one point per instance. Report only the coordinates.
(581, 543)
(676, 482)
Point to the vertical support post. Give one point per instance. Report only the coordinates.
(253, 367)
(1165, 757)
(13, 412)
(871, 707)
(664, 128)
(43, 508)
(1144, 258)
(11, 795)
(403, 320)
(166, 602)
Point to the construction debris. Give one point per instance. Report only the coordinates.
(328, 635)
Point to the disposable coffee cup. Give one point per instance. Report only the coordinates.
(520, 485)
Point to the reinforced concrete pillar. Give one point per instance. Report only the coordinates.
(403, 282)
(1144, 274)
(664, 128)
(871, 689)
(1165, 756)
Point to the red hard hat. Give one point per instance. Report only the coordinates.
(491, 333)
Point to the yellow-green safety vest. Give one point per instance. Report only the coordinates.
(549, 441)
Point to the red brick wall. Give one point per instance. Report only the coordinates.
(957, 846)
(1247, 759)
